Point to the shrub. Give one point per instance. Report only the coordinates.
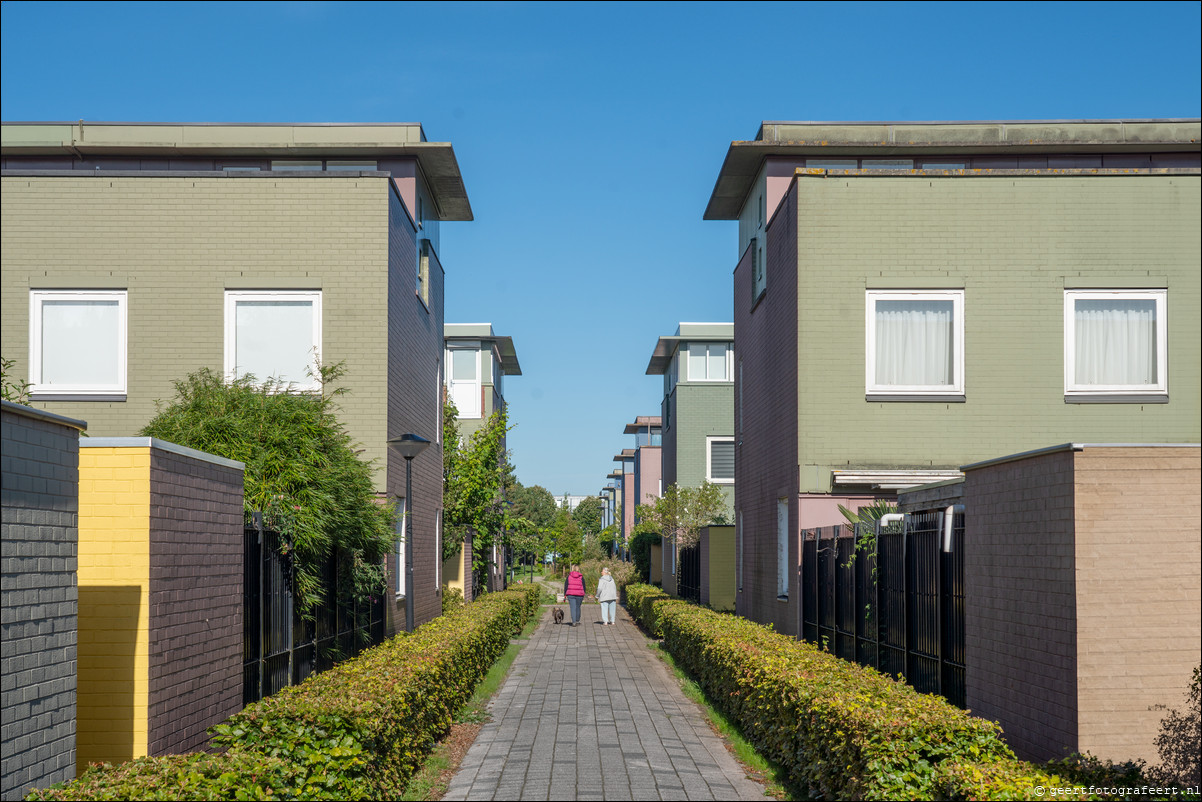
(1180, 740)
(640, 601)
(357, 731)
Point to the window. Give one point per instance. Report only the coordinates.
(1115, 343)
(759, 282)
(464, 363)
(423, 272)
(915, 343)
(832, 164)
(286, 166)
(77, 343)
(887, 164)
(273, 335)
(720, 460)
(707, 362)
(782, 548)
(401, 539)
(334, 166)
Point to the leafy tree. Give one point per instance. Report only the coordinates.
(476, 477)
(534, 503)
(587, 515)
(302, 471)
(681, 512)
(1179, 741)
(644, 536)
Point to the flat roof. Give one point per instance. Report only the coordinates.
(744, 159)
(642, 422)
(483, 332)
(1069, 447)
(665, 347)
(290, 140)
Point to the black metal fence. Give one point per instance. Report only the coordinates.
(897, 605)
(281, 647)
(688, 574)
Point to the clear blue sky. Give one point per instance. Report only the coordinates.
(590, 135)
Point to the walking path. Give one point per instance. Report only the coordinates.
(590, 712)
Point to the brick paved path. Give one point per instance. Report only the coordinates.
(590, 712)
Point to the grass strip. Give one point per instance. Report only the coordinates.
(759, 767)
(430, 781)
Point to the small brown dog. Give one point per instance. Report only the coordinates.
(557, 614)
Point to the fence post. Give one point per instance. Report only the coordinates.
(939, 600)
(257, 519)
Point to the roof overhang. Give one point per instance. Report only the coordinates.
(665, 347)
(482, 333)
(890, 479)
(267, 140)
(744, 159)
(643, 422)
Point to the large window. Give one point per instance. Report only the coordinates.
(77, 343)
(708, 362)
(915, 343)
(1115, 343)
(274, 335)
(464, 379)
(720, 460)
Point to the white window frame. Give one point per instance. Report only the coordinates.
(709, 458)
(729, 360)
(956, 388)
(37, 387)
(478, 410)
(401, 545)
(232, 297)
(1133, 391)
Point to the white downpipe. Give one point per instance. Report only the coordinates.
(949, 516)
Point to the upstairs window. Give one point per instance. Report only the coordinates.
(708, 362)
(759, 281)
(1115, 342)
(915, 343)
(274, 335)
(336, 166)
(464, 385)
(77, 343)
(293, 165)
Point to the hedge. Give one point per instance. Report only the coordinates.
(357, 731)
(844, 731)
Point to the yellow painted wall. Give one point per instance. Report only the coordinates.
(657, 564)
(114, 596)
(721, 567)
(452, 571)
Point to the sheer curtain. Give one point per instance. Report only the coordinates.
(1114, 341)
(914, 343)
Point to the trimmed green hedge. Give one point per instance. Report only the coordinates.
(837, 728)
(357, 731)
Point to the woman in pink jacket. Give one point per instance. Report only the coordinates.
(573, 589)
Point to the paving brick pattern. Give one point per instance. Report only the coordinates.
(590, 712)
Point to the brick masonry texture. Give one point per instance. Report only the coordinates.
(414, 377)
(196, 578)
(38, 602)
(765, 421)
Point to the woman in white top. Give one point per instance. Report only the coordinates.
(607, 595)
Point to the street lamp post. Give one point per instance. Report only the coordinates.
(409, 446)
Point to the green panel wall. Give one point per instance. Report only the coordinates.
(1013, 244)
(702, 410)
(177, 244)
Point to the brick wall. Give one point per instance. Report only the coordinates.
(1139, 613)
(38, 547)
(196, 576)
(1020, 606)
(766, 419)
(414, 369)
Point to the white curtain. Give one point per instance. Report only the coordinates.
(914, 343)
(81, 343)
(1115, 341)
(275, 340)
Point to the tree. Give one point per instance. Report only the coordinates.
(534, 503)
(587, 515)
(476, 476)
(302, 471)
(681, 512)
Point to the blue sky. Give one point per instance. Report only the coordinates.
(590, 135)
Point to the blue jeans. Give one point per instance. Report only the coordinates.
(574, 604)
(608, 610)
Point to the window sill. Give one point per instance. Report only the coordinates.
(45, 396)
(1118, 398)
(783, 598)
(925, 398)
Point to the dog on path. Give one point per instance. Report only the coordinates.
(557, 614)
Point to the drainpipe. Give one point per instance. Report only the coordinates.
(949, 515)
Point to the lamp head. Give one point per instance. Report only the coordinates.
(409, 445)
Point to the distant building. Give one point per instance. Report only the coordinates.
(913, 297)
